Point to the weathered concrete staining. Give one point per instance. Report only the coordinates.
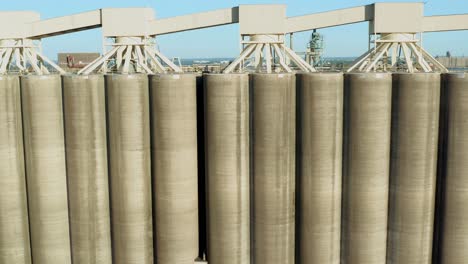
(174, 156)
(86, 149)
(14, 225)
(454, 232)
(44, 146)
(227, 170)
(130, 168)
(274, 116)
(366, 151)
(415, 123)
(320, 117)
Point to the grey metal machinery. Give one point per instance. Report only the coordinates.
(274, 130)
(366, 156)
(415, 124)
(454, 216)
(14, 224)
(44, 146)
(88, 189)
(320, 125)
(130, 168)
(174, 160)
(228, 167)
(314, 49)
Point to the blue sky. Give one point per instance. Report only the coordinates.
(343, 41)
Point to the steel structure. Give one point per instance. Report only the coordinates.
(128, 47)
(263, 40)
(262, 29)
(395, 42)
(17, 53)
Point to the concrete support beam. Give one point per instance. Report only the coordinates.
(445, 23)
(14, 24)
(65, 24)
(330, 19)
(194, 21)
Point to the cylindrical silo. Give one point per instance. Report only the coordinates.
(320, 116)
(44, 147)
(174, 156)
(454, 232)
(274, 139)
(14, 225)
(86, 148)
(227, 170)
(413, 167)
(366, 158)
(128, 119)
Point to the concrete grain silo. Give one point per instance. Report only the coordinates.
(174, 167)
(320, 119)
(454, 216)
(86, 149)
(366, 156)
(228, 167)
(415, 124)
(129, 168)
(14, 224)
(274, 130)
(44, 146)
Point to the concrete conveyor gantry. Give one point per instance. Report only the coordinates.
(262, 29)
(393, 31)
(131, 32)
(132, 47)
(396, 46)
(18, 53)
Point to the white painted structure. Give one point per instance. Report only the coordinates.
(262, 30)
(395, 44)
(18, 51)
(129, 45)
(129, 37)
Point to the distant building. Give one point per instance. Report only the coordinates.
(453, 62)
(76, 61)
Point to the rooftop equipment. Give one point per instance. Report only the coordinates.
(315, 49)
(128, 45)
